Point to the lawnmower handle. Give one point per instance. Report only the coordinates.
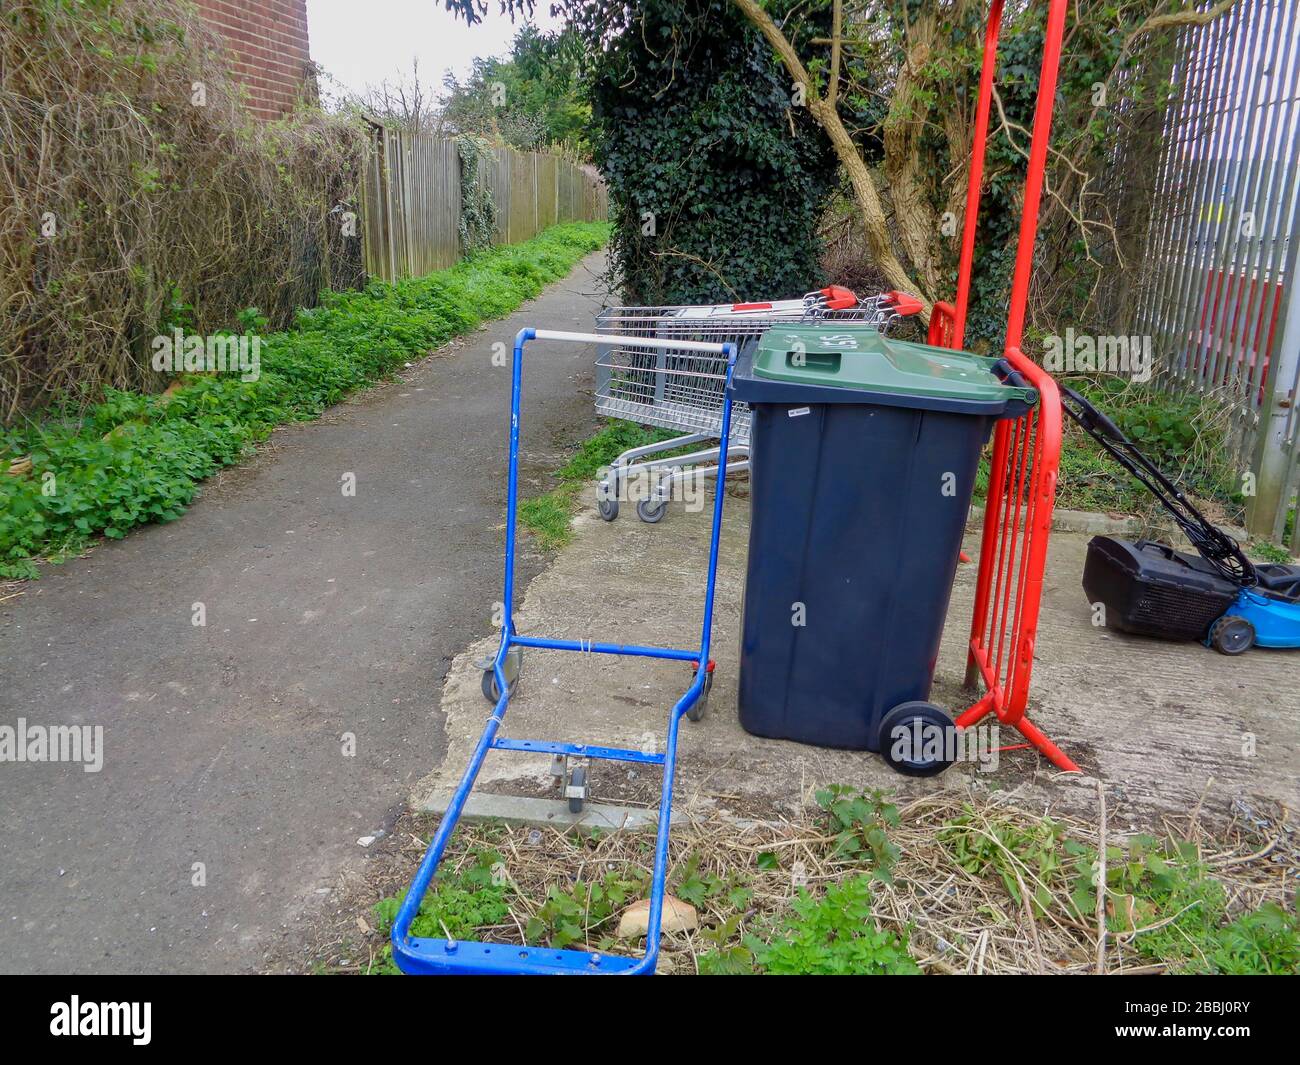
(1088, 416)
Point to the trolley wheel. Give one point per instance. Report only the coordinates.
(701, 705)
(651, 511)
(512, 667)
(607, 500)
(1231, 635)
(907, 716)
(577, 781)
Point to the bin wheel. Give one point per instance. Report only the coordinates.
(607, 508)
(1231, 635)
(577, 779)
(512, 667)
(907, 716)
(651, 511)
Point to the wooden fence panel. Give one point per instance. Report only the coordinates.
(411, 200)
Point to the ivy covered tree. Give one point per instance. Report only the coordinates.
(716, 178)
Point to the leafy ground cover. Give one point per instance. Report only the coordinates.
(134, 459)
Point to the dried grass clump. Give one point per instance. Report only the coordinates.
(136, 194)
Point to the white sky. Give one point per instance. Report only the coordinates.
(362, 42)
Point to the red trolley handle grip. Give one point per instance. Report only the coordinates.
(904, 305)
(839, 299)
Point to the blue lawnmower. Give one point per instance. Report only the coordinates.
(1217, 596)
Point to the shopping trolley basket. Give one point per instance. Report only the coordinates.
(425, 955)
(681, 390)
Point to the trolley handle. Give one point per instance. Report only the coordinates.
(727, 349)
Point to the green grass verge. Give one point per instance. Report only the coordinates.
(136, 459)
(548, 516)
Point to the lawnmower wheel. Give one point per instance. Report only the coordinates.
(1231, 635)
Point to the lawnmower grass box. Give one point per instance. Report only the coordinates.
(864, 454)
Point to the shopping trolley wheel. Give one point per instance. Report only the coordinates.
(651, 510)
(701, 705)
(908, 731)
(576, 789)
(607, 497)
(512, 667)
(1232, 635)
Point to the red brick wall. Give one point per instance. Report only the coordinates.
(267, 41)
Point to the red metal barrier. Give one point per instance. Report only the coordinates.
(1027, 451)
(1013, 557)
(943, 326)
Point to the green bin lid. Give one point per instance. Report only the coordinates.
(859, 357)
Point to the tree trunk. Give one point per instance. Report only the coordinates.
(864, 189)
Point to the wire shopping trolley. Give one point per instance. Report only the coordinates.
(430, 956)
(679, 389)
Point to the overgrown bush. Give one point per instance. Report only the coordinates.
(134, 459)
(136, 194)
(716, 176)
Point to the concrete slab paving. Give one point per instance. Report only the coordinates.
(1167, 725)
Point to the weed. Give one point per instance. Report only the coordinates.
(1160, 896)
(547, 517)
(834, 935)
(569, 915)
(702, 888)
(1157, 892)
(1263, 943)
(860, 821)
(1266, 551)
(1016, 854)
(455, 907)
(1183, 435)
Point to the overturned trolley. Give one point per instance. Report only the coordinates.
(680, 389)
(425, 956)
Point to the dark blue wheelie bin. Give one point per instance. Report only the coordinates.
(864, 454)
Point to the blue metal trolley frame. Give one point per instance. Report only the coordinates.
(446, 956)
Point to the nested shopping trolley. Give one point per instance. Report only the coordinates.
(681, 389)
(431, 956)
